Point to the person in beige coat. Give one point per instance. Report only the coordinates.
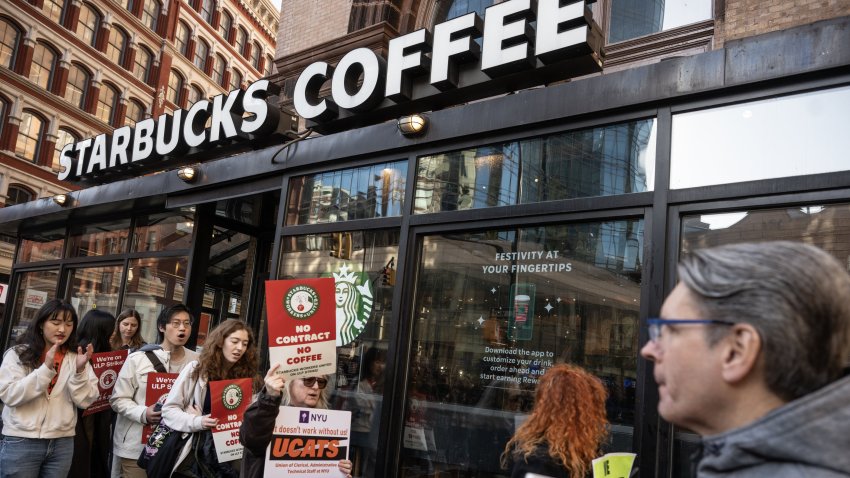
(43, 380)
(128, 396)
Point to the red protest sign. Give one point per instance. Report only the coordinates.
(159, 384)
(302, 326)
(106, 366)
(228, 401)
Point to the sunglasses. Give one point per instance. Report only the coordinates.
(310, 381)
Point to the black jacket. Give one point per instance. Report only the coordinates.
(256, 431)
(539, 462)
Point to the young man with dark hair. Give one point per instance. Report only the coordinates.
(128, 397)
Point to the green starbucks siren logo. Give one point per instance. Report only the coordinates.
(231, 396)
(301, 302)
(353, 305)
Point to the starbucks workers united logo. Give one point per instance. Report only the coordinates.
(301, 301)
(353, 304)
(231, 396)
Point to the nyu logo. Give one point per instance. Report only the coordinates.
(303, 416)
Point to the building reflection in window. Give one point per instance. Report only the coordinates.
(360, 193)
(494, 310)
(601, 161)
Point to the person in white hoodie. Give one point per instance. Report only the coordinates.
(128, 396)
(43, 379)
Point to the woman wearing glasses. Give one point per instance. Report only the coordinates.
(229, 352)
(566, 427)
(258, 424)
(43, 380)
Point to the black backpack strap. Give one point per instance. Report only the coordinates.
(156, 362)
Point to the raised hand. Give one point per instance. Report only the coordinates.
(50, 356)
(83, 358)
(274, 381)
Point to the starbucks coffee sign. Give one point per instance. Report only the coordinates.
(523, 43)
(236, 116)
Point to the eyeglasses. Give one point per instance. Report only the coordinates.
(655, 325)
(310, 381)
(177, 323)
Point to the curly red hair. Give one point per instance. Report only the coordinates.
(569, 416)
(212, 358)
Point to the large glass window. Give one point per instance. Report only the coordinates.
(152, 285)
(88, 24)
(150, 13)
(54, 9)
(9, 35)
(34, 290)
(773, 138)
(135, 113)
(493, 311)
(42, 246)
(364, 308)
(95, 287)
(202, 51)
(195, 95)
(181, 38)
(824, 225)
(175, 85)
(65, 137)
(224, 25)
(29, 136)
(163, 232)
(241, 39)
(235, 79)
(43, 65)
(207, 10)
(78, 85)
(117, 45)
(601, 161)
(142, 63)
(447, 10)
(102, 239)
(106, 103)
(218, 69)
(256, 54)
(360, 193)
(18, 194)
(635, 18)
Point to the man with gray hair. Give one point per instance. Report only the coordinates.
(750, 353)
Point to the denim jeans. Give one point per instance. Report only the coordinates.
(35, 457)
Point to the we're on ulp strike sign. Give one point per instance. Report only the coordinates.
(302, 326)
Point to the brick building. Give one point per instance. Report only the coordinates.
(70, 70)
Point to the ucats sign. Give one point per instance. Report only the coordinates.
(236, 116)
(523, 43)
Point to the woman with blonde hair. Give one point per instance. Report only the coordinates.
(128, 331)
(566, 427)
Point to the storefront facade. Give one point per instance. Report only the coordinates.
(519, 231)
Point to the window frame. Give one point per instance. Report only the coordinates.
(16, 43)
(51, 71)
(38, 139)
(122, 51)
(59, 145)
(94, 30)
(100, 106)
(87, 84)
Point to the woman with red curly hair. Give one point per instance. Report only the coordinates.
(229, 352)
(566, 427)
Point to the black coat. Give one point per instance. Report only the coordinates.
(539, 462)
(256, 431)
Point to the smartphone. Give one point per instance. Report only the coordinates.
(157, 407)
